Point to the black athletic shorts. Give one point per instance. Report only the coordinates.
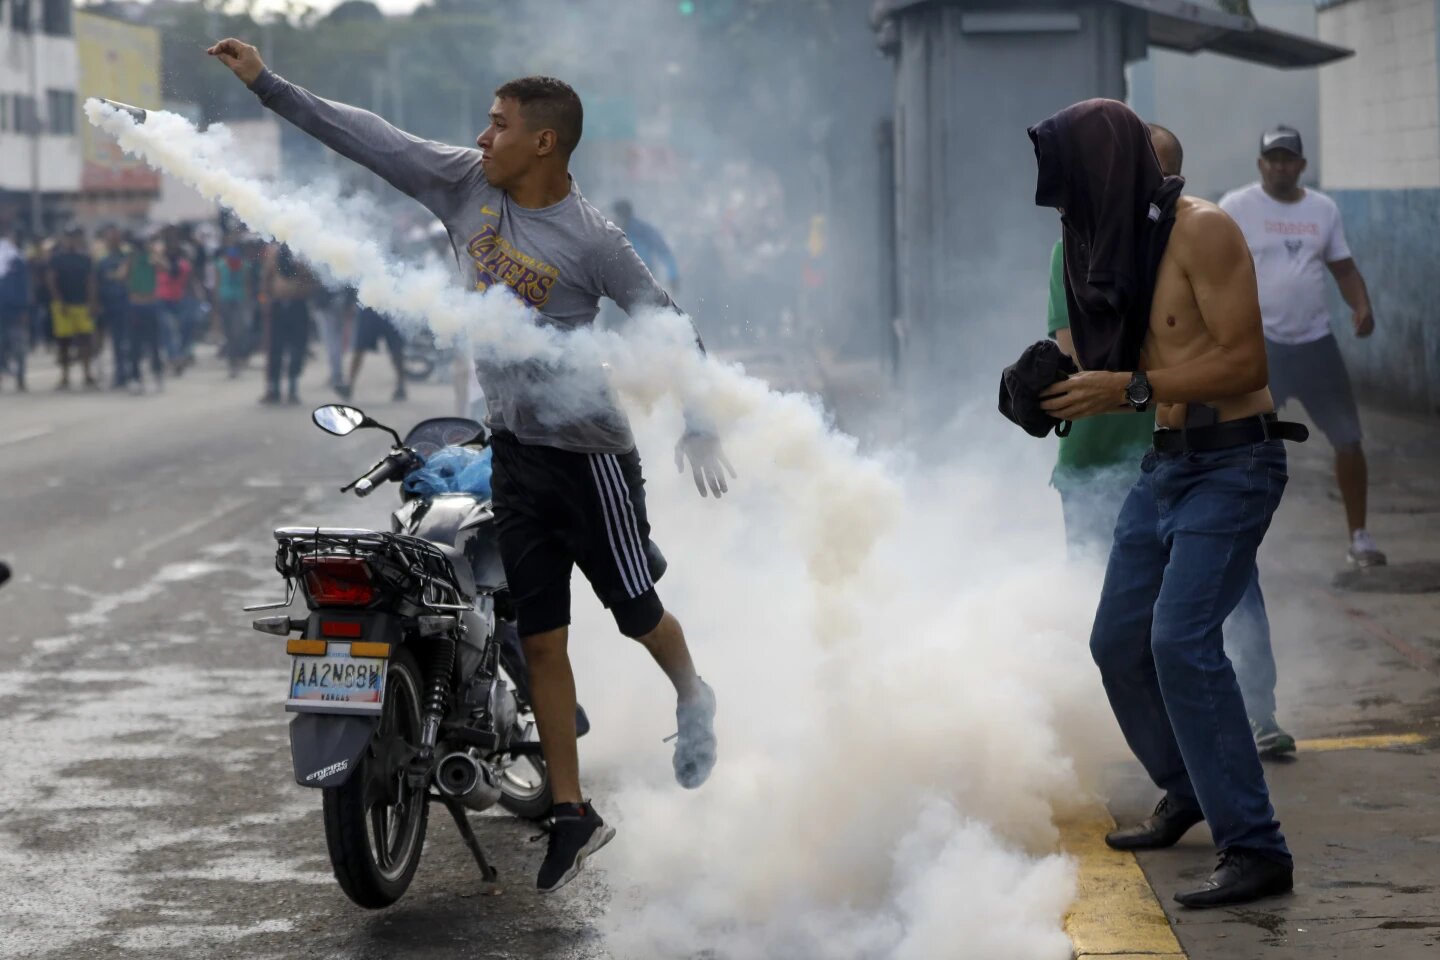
(555, 510)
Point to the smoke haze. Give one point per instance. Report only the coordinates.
(898, 648)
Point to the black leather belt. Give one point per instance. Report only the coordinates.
(1231, 433)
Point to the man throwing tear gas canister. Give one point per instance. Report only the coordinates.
(568, 488)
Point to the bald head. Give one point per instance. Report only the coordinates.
(1167, 149)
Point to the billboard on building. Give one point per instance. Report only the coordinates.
(119, 61)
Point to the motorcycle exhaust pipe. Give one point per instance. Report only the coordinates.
(461, 775)
(137, 112)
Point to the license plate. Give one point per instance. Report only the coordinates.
(336, 682)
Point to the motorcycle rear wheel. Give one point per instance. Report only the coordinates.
(525, 781)
(375, 823)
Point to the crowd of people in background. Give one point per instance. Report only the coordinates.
(125, 309)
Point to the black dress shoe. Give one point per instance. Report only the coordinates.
(1163, 828)
(1241, 877)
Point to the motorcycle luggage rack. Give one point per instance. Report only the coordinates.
(400, 561)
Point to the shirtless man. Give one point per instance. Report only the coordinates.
(1185, 544)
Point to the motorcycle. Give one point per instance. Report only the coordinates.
(423, 356)
(407, 678)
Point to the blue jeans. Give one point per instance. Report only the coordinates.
(146, 341)
(14, 340)
(171, 321)
(1183, 557)
(1091, 509)
(1247, 644)
(115, 315)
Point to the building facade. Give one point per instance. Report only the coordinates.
(1380, 156)
(119, 61)
(40, 154)
(1219, 106)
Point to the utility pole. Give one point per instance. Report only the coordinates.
(467, 124)
(34, 118)
(394, 75)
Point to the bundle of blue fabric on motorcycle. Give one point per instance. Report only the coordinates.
(452, 470)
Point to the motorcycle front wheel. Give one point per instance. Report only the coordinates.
(417, 367)
(418, 358)
(375, 822)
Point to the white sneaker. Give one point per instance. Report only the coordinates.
(1363, 550)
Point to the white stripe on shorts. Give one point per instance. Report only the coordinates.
(614, 529)
(627, 507)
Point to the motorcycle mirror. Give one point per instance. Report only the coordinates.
(339, 419)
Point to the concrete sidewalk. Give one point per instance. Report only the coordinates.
(1359, 663)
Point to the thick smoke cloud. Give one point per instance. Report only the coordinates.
(899, 652)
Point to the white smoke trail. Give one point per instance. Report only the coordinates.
(897, 712)
(499, 329)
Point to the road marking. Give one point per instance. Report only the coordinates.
(1378, 742)
(1115, 913)
(27, 435)
(185, 529)
(1417, 657)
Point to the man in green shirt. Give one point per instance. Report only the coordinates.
(1098, 464)
(145, 335)
(1098, 461)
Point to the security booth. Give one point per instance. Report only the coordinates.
(970, 75)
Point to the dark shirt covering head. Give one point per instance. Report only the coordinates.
(1098, 167)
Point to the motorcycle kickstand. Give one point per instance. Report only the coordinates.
(462, 823)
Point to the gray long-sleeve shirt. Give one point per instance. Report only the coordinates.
(560, 260)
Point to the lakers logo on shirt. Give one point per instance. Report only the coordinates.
(497, 261)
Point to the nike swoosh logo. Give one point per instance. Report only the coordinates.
(486, 211)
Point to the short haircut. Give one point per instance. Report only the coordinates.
(548, 104)
(1167, 137)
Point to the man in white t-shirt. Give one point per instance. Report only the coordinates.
(1295, 236)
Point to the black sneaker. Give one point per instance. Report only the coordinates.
(1270, 740)
(695, 747)
(576, 831)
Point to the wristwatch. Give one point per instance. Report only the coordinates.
(1138, 394)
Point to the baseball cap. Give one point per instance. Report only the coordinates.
(1282, 138)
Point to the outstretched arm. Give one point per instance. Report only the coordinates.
(428, 171)
(625, 279)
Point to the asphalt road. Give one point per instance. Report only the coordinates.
(147, 807)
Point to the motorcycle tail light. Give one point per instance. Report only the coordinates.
(338, 581)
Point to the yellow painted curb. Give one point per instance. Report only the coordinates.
(1115, 913)
(1379, 742)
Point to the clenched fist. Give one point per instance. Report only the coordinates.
(242, 59)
